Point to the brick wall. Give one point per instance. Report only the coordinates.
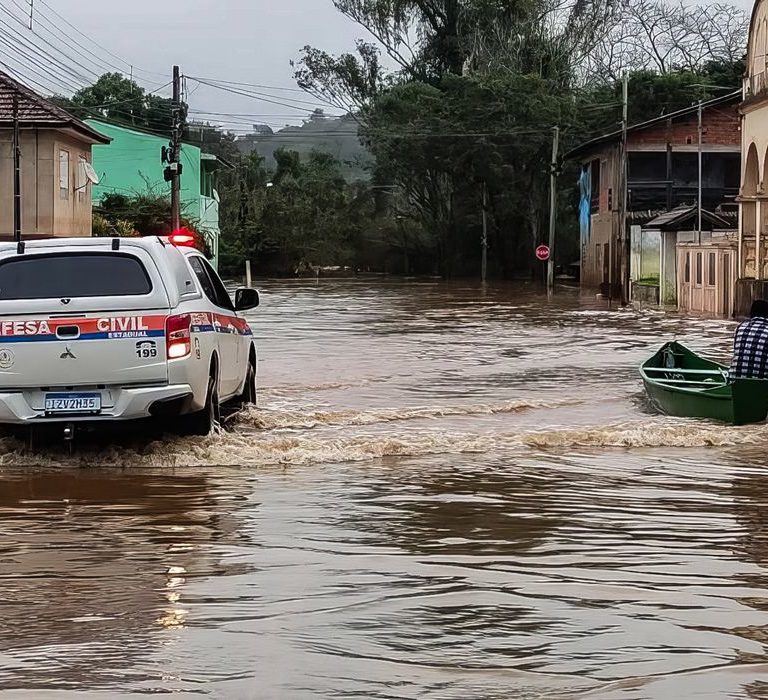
(721, 127)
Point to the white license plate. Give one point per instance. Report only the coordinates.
(72, 403)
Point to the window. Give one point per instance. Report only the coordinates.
(221, 291)
(64, 174)
(711, 270)
(699, 269)
(82, 180)
(594, 167)
(688, 267)
(202, 276)
(212, 285)
(72, 275)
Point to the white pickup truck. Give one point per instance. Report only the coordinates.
(112, 329)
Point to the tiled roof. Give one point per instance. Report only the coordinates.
(36, 110)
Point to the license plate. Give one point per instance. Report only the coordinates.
(72, 403)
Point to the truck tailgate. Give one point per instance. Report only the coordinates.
(82, 318)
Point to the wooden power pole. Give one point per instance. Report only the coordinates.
(552, 209)
(698, 196)
(16, 171)
(484, 261)
(623, 239)
(175, 163)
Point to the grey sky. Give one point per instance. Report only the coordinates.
(249, 41)
(237, 40)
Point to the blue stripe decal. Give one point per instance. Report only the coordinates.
(114, 335)
(220, 329)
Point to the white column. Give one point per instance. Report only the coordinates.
(758, 226)
(739, 268)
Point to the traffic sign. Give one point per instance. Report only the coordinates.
(542, 253)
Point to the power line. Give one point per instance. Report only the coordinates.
(253, 85)
(95, 43)
(27, 60)
(291, 104)
(79, 49)
(89, 73)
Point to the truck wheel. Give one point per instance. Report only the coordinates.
(205, 421)
(248, 396)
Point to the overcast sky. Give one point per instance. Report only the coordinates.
(248, 41)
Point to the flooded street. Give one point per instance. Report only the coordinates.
(444, 493)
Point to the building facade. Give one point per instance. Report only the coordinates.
(752, 263)
(662, 175)
(55, 146)
(131, 164)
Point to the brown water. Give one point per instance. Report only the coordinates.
(444, 493)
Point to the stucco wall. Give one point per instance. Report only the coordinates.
(602, 221)
(132, 165)
(43, 210)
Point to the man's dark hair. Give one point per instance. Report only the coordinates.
(759, 309)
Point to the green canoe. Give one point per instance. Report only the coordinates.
(681, 383)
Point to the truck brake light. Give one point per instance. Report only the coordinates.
(178, 337)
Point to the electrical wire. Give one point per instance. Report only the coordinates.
(27, 60)
(252, 85)
(89, 72)
(55, 31)
(95, 43)
(297, 104)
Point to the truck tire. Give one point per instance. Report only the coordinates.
(204, 422)
(248, 395)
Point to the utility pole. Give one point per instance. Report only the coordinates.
(623, 193)
(31, 11)
(175, 164)
(552, 209)
(698, 198)
(16, 171)
(484, 263)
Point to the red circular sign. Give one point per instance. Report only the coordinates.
(542, 253)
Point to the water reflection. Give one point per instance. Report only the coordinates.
(93, 569)
(446, 491)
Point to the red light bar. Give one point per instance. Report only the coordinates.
(182, 238)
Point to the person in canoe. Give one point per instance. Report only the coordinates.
(750, 345)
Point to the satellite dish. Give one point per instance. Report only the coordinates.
(90, 173)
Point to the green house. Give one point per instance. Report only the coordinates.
(131, 164)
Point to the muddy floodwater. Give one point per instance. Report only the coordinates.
(444, 493)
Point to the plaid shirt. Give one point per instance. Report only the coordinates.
(750, 350)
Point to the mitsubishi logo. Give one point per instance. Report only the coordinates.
(68, 355)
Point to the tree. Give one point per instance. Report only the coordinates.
(652, 35)
(115, 97)
(141, 215)
(347, 82)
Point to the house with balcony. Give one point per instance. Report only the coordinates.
(131, 165)
(752, 266)
(636, 254)
(55, 148)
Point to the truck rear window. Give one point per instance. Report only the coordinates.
(72, 275)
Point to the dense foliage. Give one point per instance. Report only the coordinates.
(481, 83)
(142, 215)
(466, 116)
